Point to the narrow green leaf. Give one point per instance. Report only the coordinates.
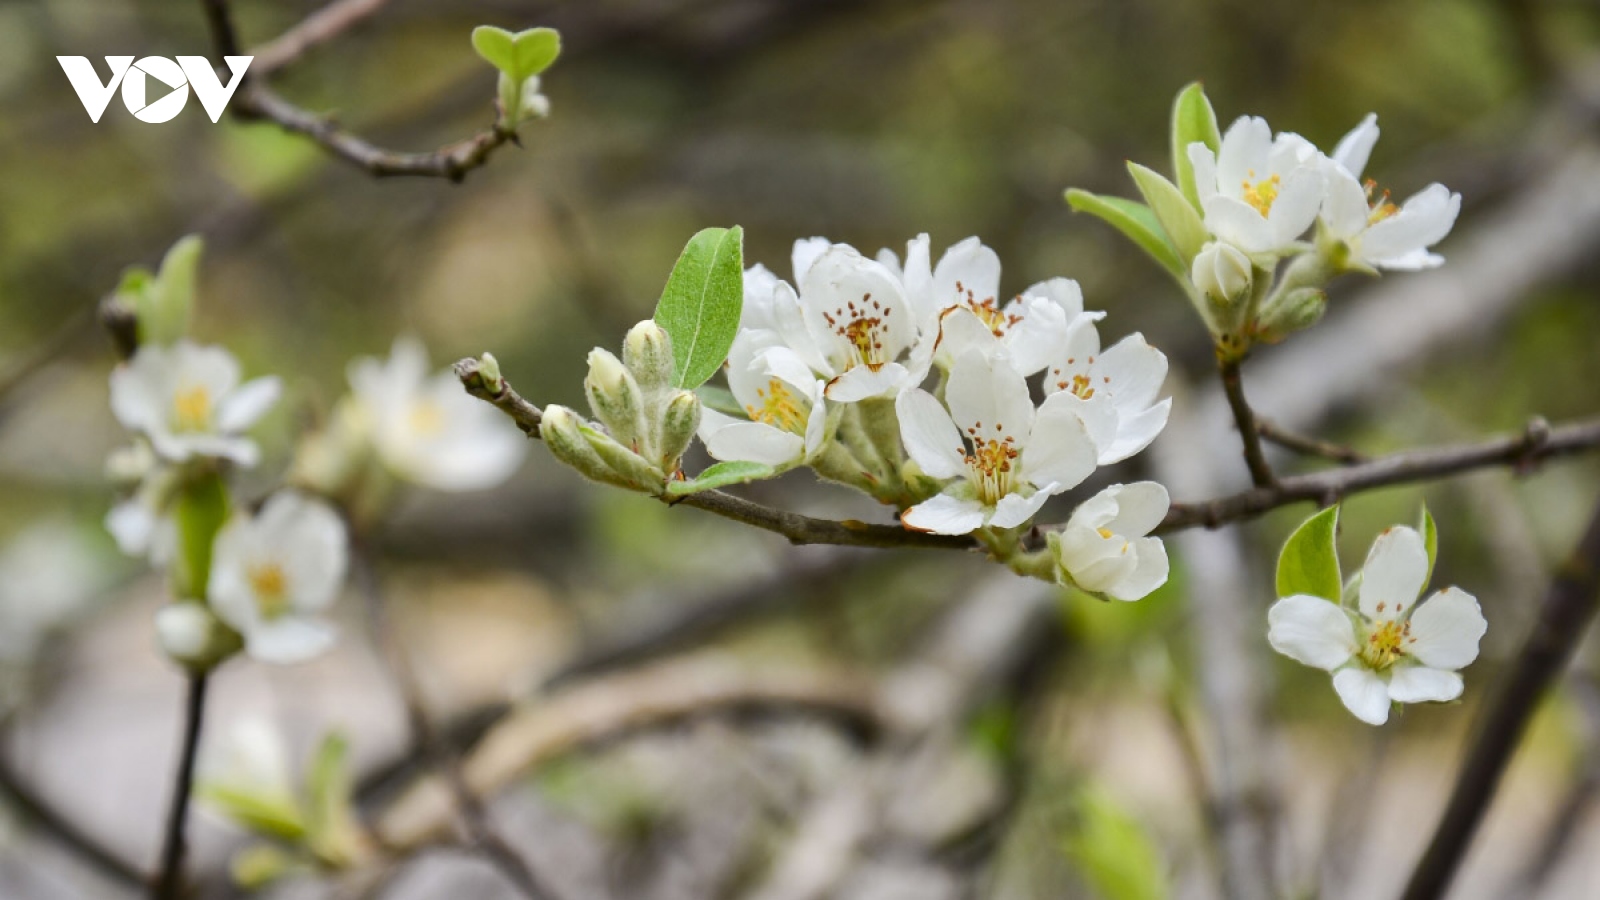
(497, 46)
(719, 398)
(1193, 121)
(700, 306)
(260, 813)
(1133, 219)
(171, 304)
(1430, 539)
(721, 475)
(1177, 217)
(1113, 852)
(328, 787)
(1309, 563)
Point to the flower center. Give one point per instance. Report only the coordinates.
(1382, 209)
(425, 418)
(987, 310)
(1080, 384)
(780, 408)
(990, 465)
(191, 409)
(1108, 534)
(1386, 644)
(271, 587)
(1261, 194)
(863, 327)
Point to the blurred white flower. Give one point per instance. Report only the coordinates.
(141, 525)
(427, 429)
(1378, 233)
(1393, 648)
(1257, 192)
(1009, 458)
(1105, 547)
(187, 401)
(272, 574)
(1122, 382)
(49, 575)
(788, 418)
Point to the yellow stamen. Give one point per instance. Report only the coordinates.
(426, 418)
(191, 409)
(1261, 194)
(990, 463)
(271, 587)
(1386, 644)
(780, 408)
(863, 326)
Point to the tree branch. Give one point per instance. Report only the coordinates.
(1308, 446)
(169, 881)
(1569, 607)
(257, 102)
(318, 28)
(1249, 433)
(52, 822)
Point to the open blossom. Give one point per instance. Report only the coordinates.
(1006, 457)
(1106, 548)
(429, 431)
(1258, 192)
(142, 525)
(274, 573)
(1122, 382)
(187, 401)
(1379, 233)
(849, 323)
(958, 301)
(783, 398)
(1393, 648)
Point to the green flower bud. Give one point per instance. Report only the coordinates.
(679, 422)
(647, 352)
(629, 468)
(489, 372)
(193, 637)
(1298, 309)
(563, 432)
(615, 397)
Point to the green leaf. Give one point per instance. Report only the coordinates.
(1178, 219)
(700, 306)
(1133, 219)
(1309, 563)
(328, 787)
(721, 475)
(1112, 852)
(258, 812)
(1193, 121)
(719, 398)
(167, 318)
(520, 56)
(1430, 540)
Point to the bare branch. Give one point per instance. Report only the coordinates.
(318, 28)
(37, 811)
(1244, 418)
(1306, 445)
(169, 882)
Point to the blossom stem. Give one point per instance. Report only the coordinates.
(1569, 607)
(1306, 445)
(169, 882)
(1254, 457)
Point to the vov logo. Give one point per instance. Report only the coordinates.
(155, 89)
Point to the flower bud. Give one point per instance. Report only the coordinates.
(627, 468)
(193, 637)
(647, 352)
(489, 372)
(679, 422)
(615, 397)
(562, 432)
(1223, 274)
(1298, 309)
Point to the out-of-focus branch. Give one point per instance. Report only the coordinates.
(255, 101)
(610, 708)
(49, 349)
(318, 28)
(1308, 446)
(169, 880)
(1569, 607)
(37, 811)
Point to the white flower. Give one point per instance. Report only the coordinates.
(187, 400)
(958, 307)
(1104, 547)
(141, 524)
(273, 573)
(788, 417)
(1258, 193)
(427, 429)
(1222, 273)
(1378, 233)
(1009, 458)
(1123, 382)
(252, 757)
(849, 323)
(1393, 649)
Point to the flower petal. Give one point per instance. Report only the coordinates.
(1446, 629)
(1015, 509)
(1344, 205)
(1423, 220)
(1397, 567)
(757, 442)
(988, 396)
(290, 640)
(805, 254)
(1243, 154)
(1296, 205)
(1150, 570)
(1238, 223)
(930, 437)
(1354, 148)
(1312, 631)
(1205, 170)
(1060, 449)
(1420, 684)
(1363, 693)
(245, 406)
(1133, 372)
(861, 383)
(944, 514)
(967, 272)
(1136, 432)
(1140, 507)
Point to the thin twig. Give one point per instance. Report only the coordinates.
(1254, 458)
(470, 810)
(1569, 607)
(48, 349)
(1308, 446)
(51, 821)
(318, 28)
(254, 101)
(1537, 443)
(169, 882)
